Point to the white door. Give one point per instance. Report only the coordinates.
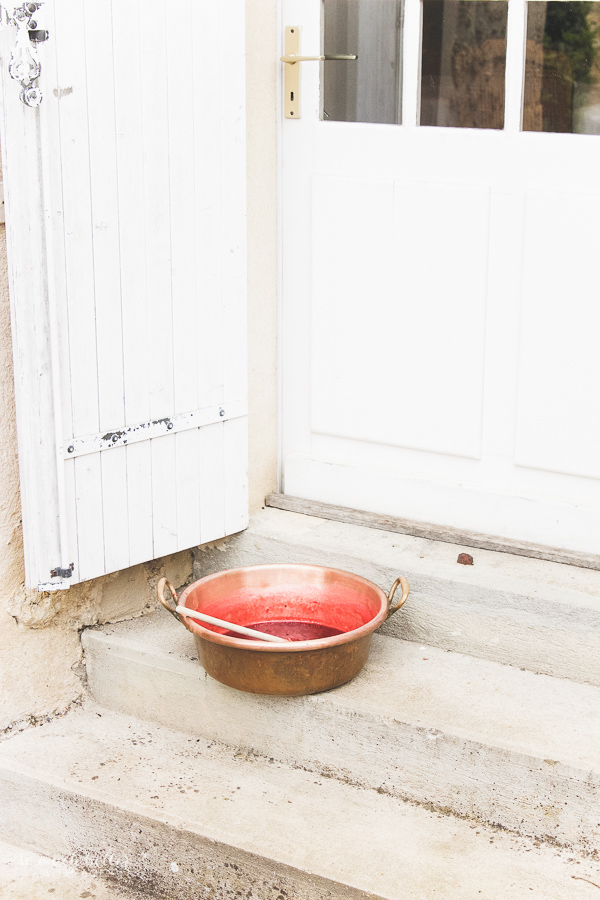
(126, 239)
(441, 295)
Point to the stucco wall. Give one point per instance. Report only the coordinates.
(40, 649)
(261, 73)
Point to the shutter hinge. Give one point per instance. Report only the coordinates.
(62, 573)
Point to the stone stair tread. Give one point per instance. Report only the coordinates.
(180, 797)
(479, 700)
(531, 613)
(25, 875)
(423, 556)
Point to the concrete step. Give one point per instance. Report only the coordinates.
(485, 741)
(189, 818)
(25, 875)
(539, 615)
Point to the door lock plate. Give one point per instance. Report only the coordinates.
(292, 73)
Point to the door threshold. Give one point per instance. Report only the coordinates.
(444, 533)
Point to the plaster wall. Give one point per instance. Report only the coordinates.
(40, 648)
(261, 75)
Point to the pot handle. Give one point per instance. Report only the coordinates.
(405, 590)
(160, 590)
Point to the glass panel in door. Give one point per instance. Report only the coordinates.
(367, 89)
(562, 68)
(463, 63)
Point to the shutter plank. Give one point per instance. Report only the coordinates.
(188, 488)
(209, 214)
(90, 520)
(77, 218)
(164, 495)
(115, 509)
(212, 483)
(79, 299)
(139, 502)
(233, 188)
(236, 475)
(180, 56)
(132, 200)
(57, 313)
(71, 507)
(30, 331)
(105, 213)
(157, 208)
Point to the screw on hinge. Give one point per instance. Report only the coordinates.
(62, 573)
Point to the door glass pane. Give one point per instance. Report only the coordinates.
(367, 89)
(463, 63)
(562, 67)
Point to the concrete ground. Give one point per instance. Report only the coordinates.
(29, 876)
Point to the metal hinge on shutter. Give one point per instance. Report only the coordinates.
(24, 66)
(57, 572)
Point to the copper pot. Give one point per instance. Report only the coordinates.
(252, 594)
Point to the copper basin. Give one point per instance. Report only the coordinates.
(315, 594)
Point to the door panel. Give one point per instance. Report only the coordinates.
(558, 427)
(376, 291)
(440, 327)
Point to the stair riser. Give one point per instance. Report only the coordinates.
(537, 797)
(543, 630)
(139, 852)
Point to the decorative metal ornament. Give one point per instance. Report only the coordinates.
(31, 96)
(24, 65)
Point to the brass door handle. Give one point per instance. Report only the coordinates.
(291, 59)
(292, 72)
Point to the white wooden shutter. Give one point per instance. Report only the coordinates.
(126, 230)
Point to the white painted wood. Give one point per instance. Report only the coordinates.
(71, 521)
(164, 495)
(139, 502)
(515, 65)
(129, 127)
(181, 149)
(236, 475)
(115, 509)
(143, 431)
(446, 301)
(559, 361)
(98, 34)
(21, 135)
(132, 257)
(345, 402)
(157, 209)
(91, 522)
(411, 65)
(510, 515)
(438, 312)
(187, 489)
(76, 212)
(207, 88)
(54, 259)
(233, 193)
(212, 482)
